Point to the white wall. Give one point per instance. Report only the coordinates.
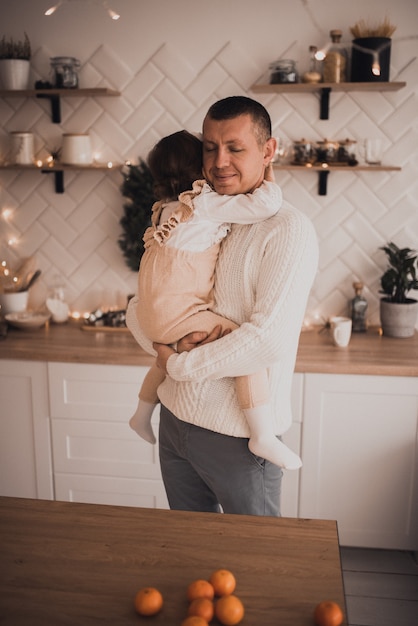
(171, 60)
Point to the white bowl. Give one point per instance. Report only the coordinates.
(26, 320)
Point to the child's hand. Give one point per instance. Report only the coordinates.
(269, 173)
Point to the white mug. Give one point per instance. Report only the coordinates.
(21, 148)
(76, 149)
(341, 331)
(373, 151)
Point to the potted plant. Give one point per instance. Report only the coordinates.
(398, 313)
(14, 63)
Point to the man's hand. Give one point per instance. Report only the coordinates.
(200, 338)
(187, 343)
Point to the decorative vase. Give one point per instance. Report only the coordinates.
(14, 73)
(367, 54)
(398, 320)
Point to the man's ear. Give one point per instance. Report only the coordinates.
(270, 150)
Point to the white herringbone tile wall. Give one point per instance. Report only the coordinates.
(170, 61)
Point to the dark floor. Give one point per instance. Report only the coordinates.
(381, 587)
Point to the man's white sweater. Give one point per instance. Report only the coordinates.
(263, 278)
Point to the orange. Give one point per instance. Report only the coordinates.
(148, 601)
(200, 589)
(202, 607)
(223, 582)
(328, 613)
(229, 610)
(194, 620)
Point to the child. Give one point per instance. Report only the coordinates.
(176, 277)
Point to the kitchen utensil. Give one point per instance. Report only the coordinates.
(30, 281)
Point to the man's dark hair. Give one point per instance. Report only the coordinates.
(234, 106)
(175, 163)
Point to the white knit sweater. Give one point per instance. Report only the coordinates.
(263, 278)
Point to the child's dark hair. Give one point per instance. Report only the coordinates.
(175, 163)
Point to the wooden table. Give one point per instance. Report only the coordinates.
(65, 563)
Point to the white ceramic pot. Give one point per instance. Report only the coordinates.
(21, 148)
(398, 320)
(13, 302)
(14, 73)
(76, 149)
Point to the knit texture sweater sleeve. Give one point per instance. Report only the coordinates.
(263, 278)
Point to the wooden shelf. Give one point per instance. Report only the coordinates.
(59, 169)
(324, 90)
(310, 87)
(324, 170)
(55, 95)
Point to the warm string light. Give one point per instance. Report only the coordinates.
(112, 14)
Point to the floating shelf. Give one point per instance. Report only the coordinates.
(58, 170)
(324, 90)
(55, 95)
(323, 171)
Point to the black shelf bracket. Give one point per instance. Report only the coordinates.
(324, 107)
(55, 105)
(322, 182)
(58, 179)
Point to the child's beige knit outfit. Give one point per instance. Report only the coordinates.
(177, 272)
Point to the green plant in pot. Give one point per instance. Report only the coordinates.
(398, 312)
(14, 63)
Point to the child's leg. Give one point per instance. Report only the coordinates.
(140, 421)
(253, 398)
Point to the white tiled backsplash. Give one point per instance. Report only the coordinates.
(75, 234)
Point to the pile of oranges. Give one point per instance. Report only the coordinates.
(207, 599)
(215, 598)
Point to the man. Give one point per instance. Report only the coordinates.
(263, 277)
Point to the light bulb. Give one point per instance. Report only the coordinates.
(113, 14)
(376, 68)
(53, 8)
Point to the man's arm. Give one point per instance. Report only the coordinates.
(286, 267)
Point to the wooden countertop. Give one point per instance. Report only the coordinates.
(368, 353)
(69, 563)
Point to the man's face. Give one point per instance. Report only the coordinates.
(233, 161)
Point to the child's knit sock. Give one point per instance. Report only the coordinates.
(263, 442)
(140, 421)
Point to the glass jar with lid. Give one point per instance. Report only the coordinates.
(65, 72)
(283, 71)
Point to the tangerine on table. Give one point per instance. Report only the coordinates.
(148, 601)
(202, 607)
(229, 610)
(328, 613)
(200, 589)
(194, 620)
(223, 581)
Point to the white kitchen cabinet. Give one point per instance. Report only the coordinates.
(97, 457)
(25, 448)
(360, 458)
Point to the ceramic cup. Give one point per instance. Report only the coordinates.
(341, 331)
(13, 302)
(373, 149)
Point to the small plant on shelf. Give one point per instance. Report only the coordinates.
(15, 49)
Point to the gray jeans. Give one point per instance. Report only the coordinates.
(206, 471)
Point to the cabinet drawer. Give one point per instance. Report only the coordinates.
(113, 491)
(102, 449)
(95, 392)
